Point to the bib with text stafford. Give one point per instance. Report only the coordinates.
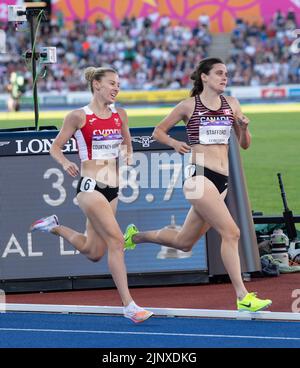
(214, 130)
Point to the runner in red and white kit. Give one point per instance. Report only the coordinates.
(100, 131)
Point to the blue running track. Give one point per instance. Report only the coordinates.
(44, 330)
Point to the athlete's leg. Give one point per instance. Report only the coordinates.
(193, 228)
(184, 239)
(78, 240)
(96, 241)
(102, 218)
(92, 244)
(212, 209)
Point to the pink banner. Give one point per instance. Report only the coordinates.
(222, 13)
(269, 7)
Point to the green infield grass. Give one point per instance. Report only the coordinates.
(275, 148)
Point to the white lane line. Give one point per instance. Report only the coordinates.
(148, 333)
(178, 312)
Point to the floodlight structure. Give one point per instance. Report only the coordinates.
(34, 13)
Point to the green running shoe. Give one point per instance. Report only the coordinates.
(129, 232)
(251, 303)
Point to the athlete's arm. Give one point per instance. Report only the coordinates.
(241, 123)
(127, 144)
(174, 117)
(72, 122)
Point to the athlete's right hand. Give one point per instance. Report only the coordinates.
(71, 168)
(181, 147)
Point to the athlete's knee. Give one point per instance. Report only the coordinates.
(116, 243)
(236, 234)
(232, 235)
(94, 253)
(94, 257)
(187, 247)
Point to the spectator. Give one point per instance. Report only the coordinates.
(16, 88)
(261, 55)
(204, 20)
(147, 50)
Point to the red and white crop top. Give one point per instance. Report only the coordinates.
(209, 126)
(99, 139)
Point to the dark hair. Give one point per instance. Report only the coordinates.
(91, 73)
(205, 67)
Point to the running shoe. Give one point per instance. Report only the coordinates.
(137, 314)
(45, 224)
(129, 232)
(251, 303)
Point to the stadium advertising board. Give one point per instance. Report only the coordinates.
(34, 186)
(294, 92)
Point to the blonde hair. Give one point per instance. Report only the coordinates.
(91, 73)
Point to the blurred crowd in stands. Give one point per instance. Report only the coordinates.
(153, 54)
(261, 54)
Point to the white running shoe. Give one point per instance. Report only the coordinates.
(136, 313)
(45, 224)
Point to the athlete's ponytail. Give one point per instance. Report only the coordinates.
(91, 73)
(204, 66)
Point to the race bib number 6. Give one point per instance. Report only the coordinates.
(87, 184)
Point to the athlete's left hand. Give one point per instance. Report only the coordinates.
(127, 155)
(129, 159)
(242, 122)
